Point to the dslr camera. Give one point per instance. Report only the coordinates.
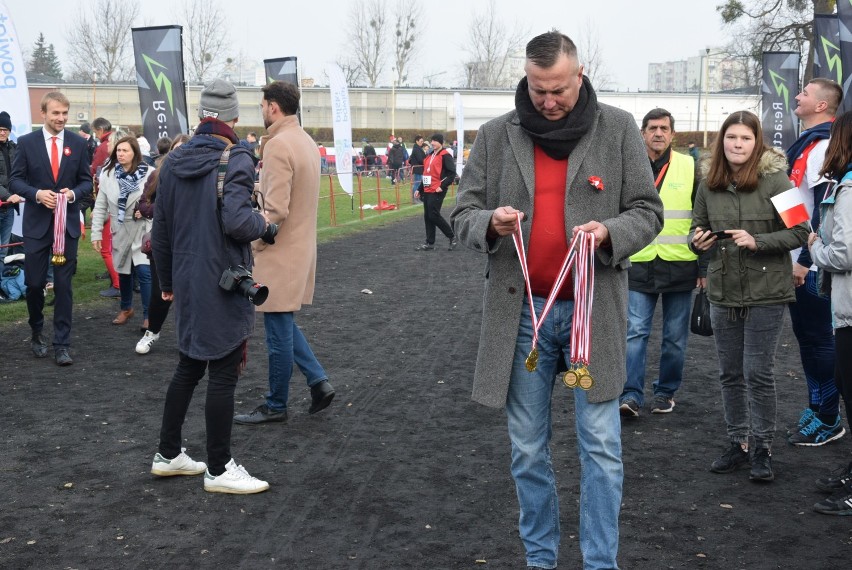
(239, 280)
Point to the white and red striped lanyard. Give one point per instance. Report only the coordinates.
(581, 238)
(584, 296)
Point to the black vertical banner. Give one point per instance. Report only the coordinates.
(159, 72)
(284, 69)
(826, 46)
(844, 20)
(779, 87)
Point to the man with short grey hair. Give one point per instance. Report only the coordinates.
(559, 163)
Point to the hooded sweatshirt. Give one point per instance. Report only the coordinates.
(191, 251)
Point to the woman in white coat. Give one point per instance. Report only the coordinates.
(120, 187)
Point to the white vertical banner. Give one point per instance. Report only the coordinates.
(14, 94)
(457, 99)
(342, 125)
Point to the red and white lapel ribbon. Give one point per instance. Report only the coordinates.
(584, 295)
(59, 215)
(518, 239)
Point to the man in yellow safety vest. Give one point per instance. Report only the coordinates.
(664, 268)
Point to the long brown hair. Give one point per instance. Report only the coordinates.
(839, 152)
(720, 174)
(137, 154)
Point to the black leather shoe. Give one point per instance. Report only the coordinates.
(261, 415)
(39, 345)
(321, 396)
(63, 356)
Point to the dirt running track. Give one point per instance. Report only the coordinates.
(402, 471)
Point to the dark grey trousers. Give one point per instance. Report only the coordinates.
(746, 342)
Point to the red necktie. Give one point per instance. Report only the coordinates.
(54, 159)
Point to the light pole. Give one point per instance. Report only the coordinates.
(707, 80)
(393, 106)
(94, 94)
(426, 78)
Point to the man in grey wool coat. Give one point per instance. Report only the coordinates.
(565, 163)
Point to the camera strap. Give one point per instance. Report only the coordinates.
(220, 193)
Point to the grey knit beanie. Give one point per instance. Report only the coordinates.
(219, 100)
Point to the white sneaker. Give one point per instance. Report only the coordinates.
(146, 342)
(234, 480)
(180, 465)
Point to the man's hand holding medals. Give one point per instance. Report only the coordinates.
(581, 256)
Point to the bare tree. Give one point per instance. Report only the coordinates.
(491, 45)
(591, 56)
(407, 13)
(773, 25)
(99, 42)
(351, 71)
(205, 38)
(366, 38)
(233, 66)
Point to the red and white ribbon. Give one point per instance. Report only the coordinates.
(59, 214)
(564, 271)
(584, 294)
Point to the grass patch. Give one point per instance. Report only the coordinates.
(347, 216)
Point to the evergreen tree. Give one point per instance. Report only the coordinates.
(44, 60)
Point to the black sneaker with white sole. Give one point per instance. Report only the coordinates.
(836, 480)
(629, 408)
(839, 504)
(663, 405)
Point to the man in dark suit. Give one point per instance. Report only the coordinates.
(49, 162)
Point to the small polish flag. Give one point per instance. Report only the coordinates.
(791, 207)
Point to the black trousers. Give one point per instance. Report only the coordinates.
(38, 253)
(432, 202)
(158, 309)
(843, 367)
(218, 409)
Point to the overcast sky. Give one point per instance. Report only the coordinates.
(631, 33)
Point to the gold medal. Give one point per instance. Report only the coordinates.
(586, 381)
(532, 360)
(58, 259)
(570, 378)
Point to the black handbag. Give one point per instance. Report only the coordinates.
(699, 322)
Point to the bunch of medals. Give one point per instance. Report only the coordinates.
(581, 250)
(59, 214)
(581, 322)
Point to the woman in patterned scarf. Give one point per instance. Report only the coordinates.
(120, 187)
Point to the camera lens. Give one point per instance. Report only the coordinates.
(253, 291)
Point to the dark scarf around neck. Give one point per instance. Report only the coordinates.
(211, 126)
(557, 138)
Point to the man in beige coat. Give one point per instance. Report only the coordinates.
(289, 193)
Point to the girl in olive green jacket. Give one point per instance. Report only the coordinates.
(749, 282)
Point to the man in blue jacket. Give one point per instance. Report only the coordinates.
(50, 162)
(203, 225)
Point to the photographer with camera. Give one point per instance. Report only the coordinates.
(203, 228)
(289, 194)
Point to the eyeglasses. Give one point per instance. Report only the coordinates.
(4, 131)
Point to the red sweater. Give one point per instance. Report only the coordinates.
(548, 242)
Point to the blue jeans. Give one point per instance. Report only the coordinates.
(811, 318)
(640, 311)
(125, 283)
(286, 344)
(746, 342)
(528, 409)
(416, 184)
(7, 219)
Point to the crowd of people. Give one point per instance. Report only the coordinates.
(559, 169)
